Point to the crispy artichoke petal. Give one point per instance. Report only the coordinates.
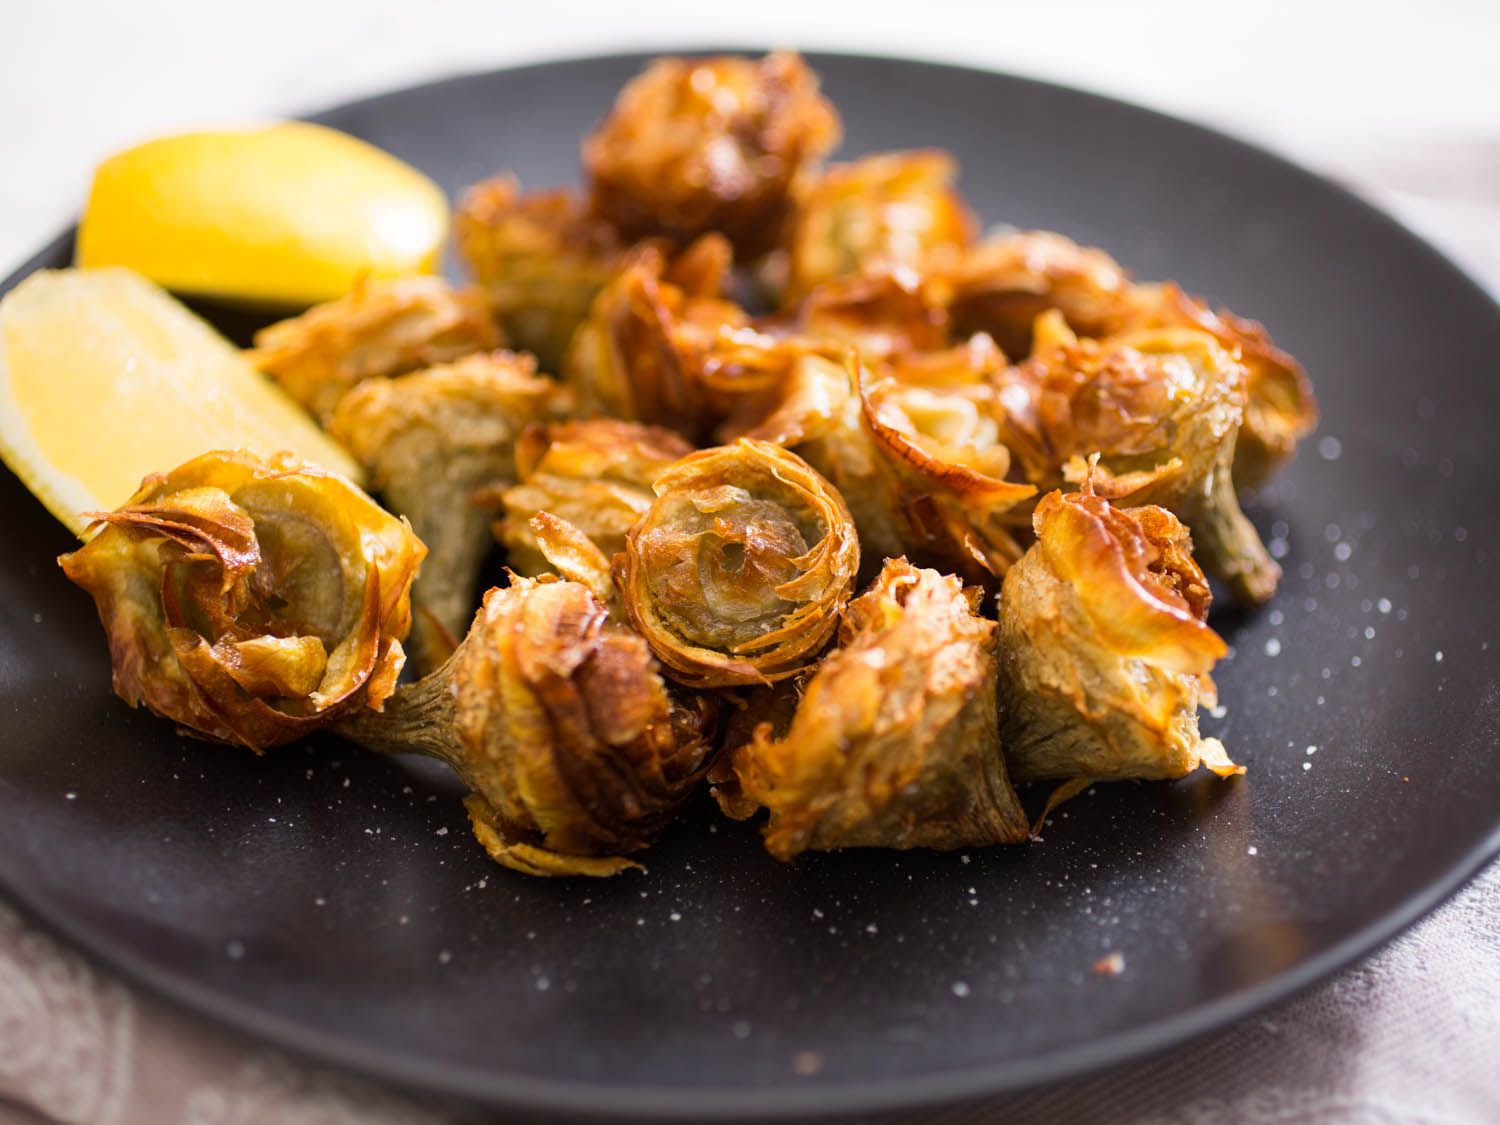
(430, 439)
(888, 210)
(951, 495)
(1105, 655)
(718, 144)
(529, 859)
(596, 474)
(539, 259)
(573, 555)
(558, 720)
(250, 600)
(1159, 411)
(381, 329)
(895, 742)
(738, 572)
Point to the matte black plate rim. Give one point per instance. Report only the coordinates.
(617, 1101)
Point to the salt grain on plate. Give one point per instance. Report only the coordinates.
(807, 1062)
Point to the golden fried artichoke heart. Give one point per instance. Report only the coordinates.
(815, 412)
(640, 353)
(717, 144)
(539, 258)
(596, 474)
(1104, 652)
(1280, 407)
(896, 741)
(1004, 283)
(250, 599)
(381, 329)
(1162, 409)
(738, 572)
(914, 452)
(939, 450)
(886, 314)
(430, 440)
(884, 211)
(576, 751)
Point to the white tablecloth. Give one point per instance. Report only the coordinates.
(1403, 105)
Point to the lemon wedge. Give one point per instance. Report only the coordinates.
(290, 214)
(105, 378)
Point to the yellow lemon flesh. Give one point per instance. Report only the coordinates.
(282, 214)
(104, 379)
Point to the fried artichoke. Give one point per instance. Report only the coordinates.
(595, 474)
(539, 259)
(888, 211)
(576, 751)
(740, 569)
(934, 422)
(430, 440)
(1280, 408)
(630, 358)
(654, 351)
(720, 144)
(815, 412)
(883, 315)
(896, 740)
(251, 600)
(381, 329)
(1104, 650)
(915, 453)
(1006, 282)
(1162, 408)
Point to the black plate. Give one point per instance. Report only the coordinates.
(335, 903)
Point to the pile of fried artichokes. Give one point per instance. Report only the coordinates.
(807, 492)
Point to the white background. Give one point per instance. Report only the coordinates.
(1400, 99)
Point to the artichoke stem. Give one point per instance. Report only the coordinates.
(1230, 547)
(420, 718)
